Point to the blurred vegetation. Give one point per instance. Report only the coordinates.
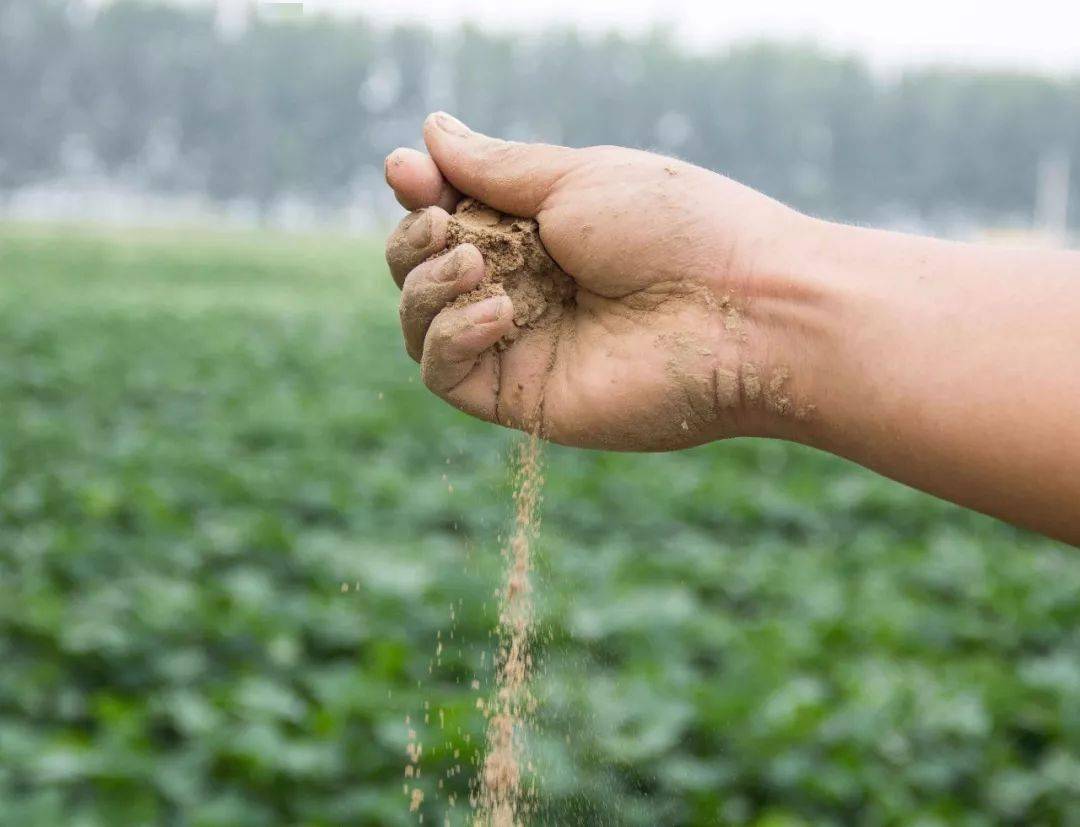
(157, 97)
(229, 549)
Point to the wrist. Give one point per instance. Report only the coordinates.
(793, 310)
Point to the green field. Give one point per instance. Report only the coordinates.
(233, 524)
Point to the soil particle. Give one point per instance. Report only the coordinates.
(727, 389)
(775, 399)
(502, 798)
(416, 800)
(732, 316)
(751, 383)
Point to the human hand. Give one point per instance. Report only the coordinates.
(688, 316)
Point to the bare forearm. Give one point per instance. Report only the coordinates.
(953, 368)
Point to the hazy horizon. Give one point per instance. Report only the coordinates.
(1039, 37)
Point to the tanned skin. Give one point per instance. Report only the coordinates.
(707, 310)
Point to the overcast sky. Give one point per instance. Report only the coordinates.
(1043, 34)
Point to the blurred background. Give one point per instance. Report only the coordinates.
(240, 544)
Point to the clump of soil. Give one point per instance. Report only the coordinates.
(515, 263)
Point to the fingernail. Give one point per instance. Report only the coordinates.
(488, 310)
(391, 160)
(418, 233)
(448, 123)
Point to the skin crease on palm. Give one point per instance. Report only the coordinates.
(664, 347)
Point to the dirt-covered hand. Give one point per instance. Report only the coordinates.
(670, 338)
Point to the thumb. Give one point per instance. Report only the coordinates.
(512, 177)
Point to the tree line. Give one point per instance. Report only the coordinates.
(161, 98)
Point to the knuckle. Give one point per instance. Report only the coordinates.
(440, 338)
(502, 151)
(443, 344)
(429, 373)
(510, 154)
(412, 328)
(426, 374)
(405, 311)
(408, 291)
(419, 305)
(411, 348)
(397, 256)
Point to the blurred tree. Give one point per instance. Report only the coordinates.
(156, 96)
